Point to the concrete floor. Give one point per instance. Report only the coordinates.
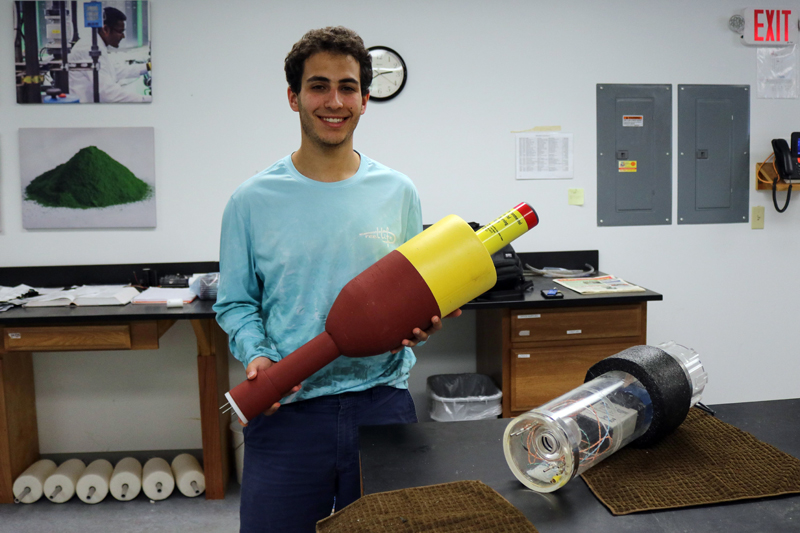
(176, 514)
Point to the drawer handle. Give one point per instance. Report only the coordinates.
(524, 333)
(522, 317)
(15, 335)
(523, 356)
(574, 332)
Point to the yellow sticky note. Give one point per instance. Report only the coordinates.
(575, 196)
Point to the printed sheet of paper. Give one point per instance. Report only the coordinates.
(544, 155)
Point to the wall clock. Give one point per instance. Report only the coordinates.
(389, 73)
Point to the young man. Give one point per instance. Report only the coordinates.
(81, 82)
(292, 237)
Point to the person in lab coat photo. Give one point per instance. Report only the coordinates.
(112, 72)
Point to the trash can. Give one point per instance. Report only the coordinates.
(456, 397)
(238, 446)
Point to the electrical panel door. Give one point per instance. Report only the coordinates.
(713, 160)
(634, 154)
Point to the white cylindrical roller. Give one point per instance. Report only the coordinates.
(92, 486)
(126, 481)
(60, 486)
(189, 475)
(29, 486)
(157, 480)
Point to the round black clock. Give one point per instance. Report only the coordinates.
(389, 73)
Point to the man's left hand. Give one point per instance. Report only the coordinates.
(422, 336)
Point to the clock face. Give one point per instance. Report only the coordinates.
(388, 73)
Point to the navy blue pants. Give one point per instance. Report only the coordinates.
(297, 460)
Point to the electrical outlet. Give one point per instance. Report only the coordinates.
(757, 218)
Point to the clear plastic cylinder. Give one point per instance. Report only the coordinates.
(548, 446)
(692, 367)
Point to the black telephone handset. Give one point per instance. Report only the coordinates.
(783, 159)
(788, 167)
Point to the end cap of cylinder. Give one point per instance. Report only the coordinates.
(527, 212)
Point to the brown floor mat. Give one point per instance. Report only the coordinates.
(459, 507)
(704, 461)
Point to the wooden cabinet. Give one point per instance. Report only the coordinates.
(141, 335)
(30, 339)
(538, 354)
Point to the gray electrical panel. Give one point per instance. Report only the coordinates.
(713, 160)
(634, 154)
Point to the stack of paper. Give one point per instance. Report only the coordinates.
(8, 294)
(599, 285)
(85, 295)
(159, 295)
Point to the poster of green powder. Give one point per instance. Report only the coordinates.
(82, 52)
(87, 177)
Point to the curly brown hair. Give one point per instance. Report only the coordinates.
(335, 40)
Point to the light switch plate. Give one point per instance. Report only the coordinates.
(757, 218)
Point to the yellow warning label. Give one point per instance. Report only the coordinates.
(627, 166)
(633, 121)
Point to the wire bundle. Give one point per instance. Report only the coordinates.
(774, 183)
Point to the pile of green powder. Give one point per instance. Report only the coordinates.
(92, 178)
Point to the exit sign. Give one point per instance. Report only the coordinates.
(770, 26)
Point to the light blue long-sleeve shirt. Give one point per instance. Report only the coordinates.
(288, 246)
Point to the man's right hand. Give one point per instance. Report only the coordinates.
(263, 363)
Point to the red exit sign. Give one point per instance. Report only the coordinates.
(770, 26)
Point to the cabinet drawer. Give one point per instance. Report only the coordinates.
(66, 338)
(576, 323)
(539, 375)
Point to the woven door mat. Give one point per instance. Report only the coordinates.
(704, 461)
(459, 507)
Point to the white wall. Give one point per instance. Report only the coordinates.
(477, 71)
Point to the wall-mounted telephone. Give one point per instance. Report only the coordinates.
(787, 161)
(787, 164)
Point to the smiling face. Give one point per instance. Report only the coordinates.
(330, 101)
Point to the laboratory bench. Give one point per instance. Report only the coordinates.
(534, 349)
(25, 331)
(401, 456)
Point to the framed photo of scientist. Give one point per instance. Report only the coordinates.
(82, 52)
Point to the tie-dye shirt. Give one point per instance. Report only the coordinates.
(288, 246)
